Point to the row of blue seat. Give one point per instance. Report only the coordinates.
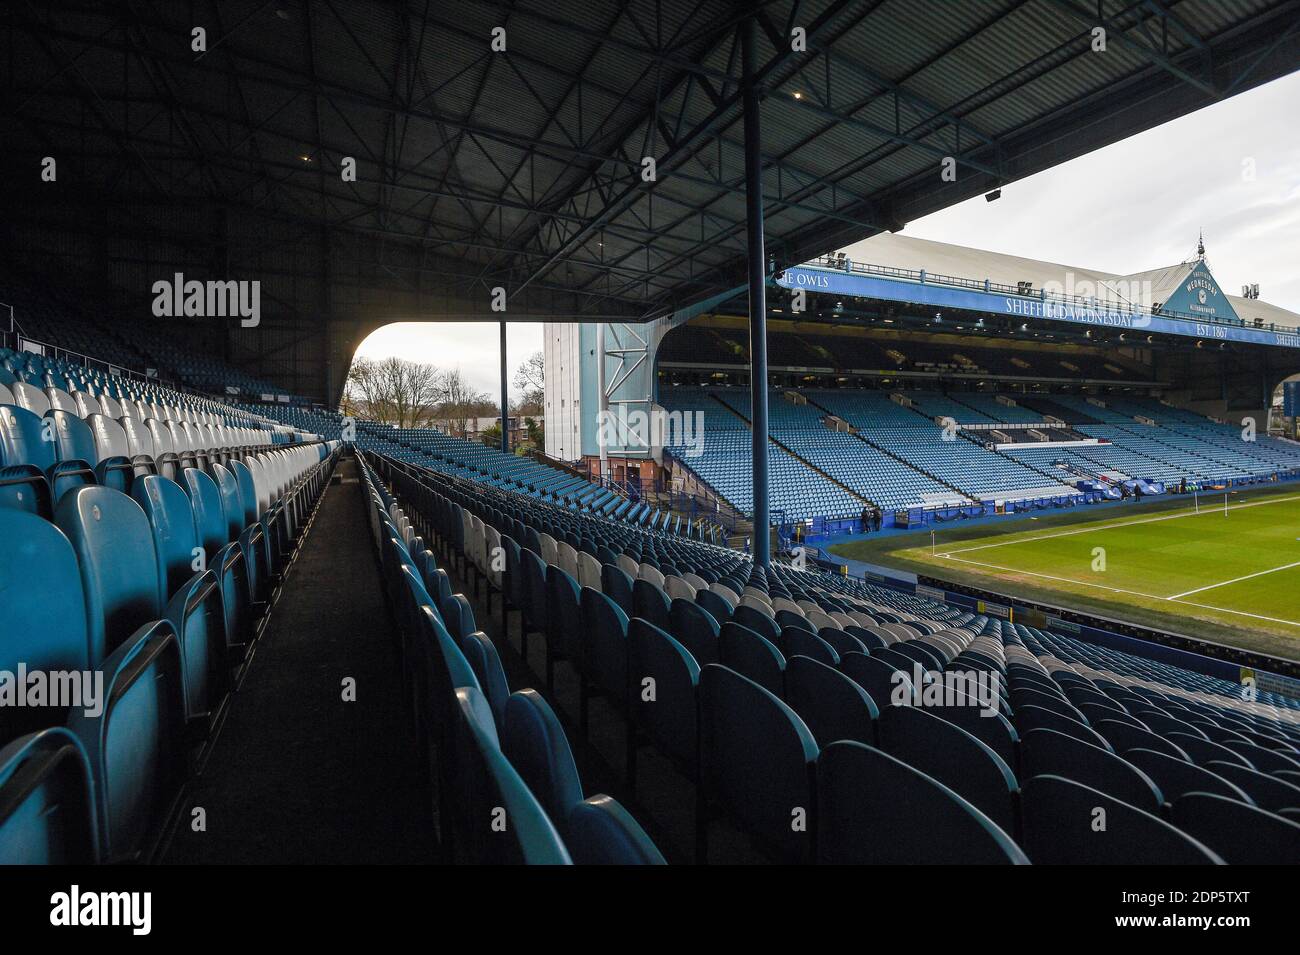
(507, 785)
(159, 591)
(819, 691)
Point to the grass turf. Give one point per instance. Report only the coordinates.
(1231, 578)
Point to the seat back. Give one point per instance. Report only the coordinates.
(247, 490)
(753, 656)
(232, 503)
(695, 629)
(1060, 821)
(604, 644)
(756, 760)
(716, 606)
(617, 586)
(47, 810)
(119, 572)
(503, 823)
(1047, 752)
(831, 704)
(1239, 832)
(563, 615)
(599, 831)
(753, 617)
(649, 602)
(24, 439)
(483, 659)
(952, 756)
(209, 516)
(874, 809)
(1177, 777)
(534, 742)
(30, 398)
(884, 682)
(669, 715)
(171, 521)
(42, 627)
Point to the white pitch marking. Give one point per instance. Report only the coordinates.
(1109, 527)
(1258, 573)
(1120, 590)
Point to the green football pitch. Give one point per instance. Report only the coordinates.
(1223, 570)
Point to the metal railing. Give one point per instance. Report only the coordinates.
(1027, 290)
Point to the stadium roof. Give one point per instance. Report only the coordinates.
(942, 258)
(522, 169)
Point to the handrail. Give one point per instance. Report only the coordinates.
(1027, 290)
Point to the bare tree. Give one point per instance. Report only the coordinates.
(414, 389)
(396, 391)
(530, 378)
(460, 401)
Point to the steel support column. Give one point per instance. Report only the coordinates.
(505, 395)
(757, 295)
(602, 406)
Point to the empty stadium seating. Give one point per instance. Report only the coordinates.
(815, 756)
(814, 716)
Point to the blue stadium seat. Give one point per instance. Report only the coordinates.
(27, 460)
(1031, 717)
(884, 682)
(600, 831)
(503, 823)
(1177, 777)
(1203, 752)
(874, 809)
(1045, 752)
(47, 809)
(535, 573)
(120, 576)
(74, 450)
(42, 627)
(991, 729)
(649, 602)
(1123, 736)
(695, 629)
(534, 742)
(830, 703)
(1242, 834)
(1267, 791)
(670, 718)
(947, 753)
(563, 621)
(756, 761)
(1265, 759)
(604, 650)
(716, 606)
(617, 586)
(225, 558)
(458, 616)
(481, 653)
(1063, 824)
(596, 830)
(763, 625)
(753, 656)
(796, 641)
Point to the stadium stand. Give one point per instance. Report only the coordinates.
(781, 690)
(778, 682)
(898, 451)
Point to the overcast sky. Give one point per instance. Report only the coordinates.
(1132, 206)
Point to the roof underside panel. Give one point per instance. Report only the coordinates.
(527, 167)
